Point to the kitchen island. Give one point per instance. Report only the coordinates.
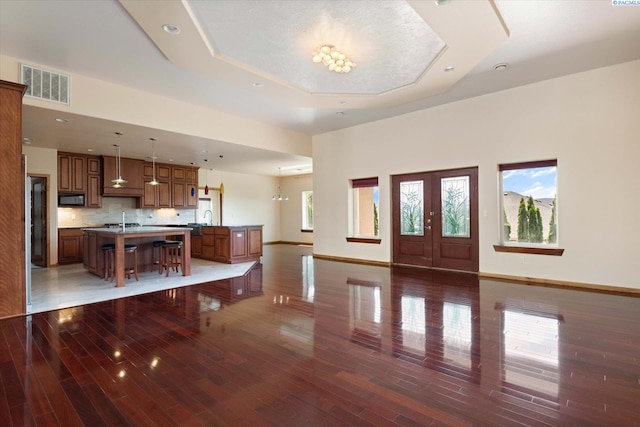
(143, 237)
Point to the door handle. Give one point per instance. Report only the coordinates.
(428, 227)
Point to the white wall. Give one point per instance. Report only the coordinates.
(247, 201)
(589, 121)
(291, 210)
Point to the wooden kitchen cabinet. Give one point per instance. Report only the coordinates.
(178, 190)
(70, 245)
(207, 243)
(183, 180)
(237, 243)
(93, 200)
(196, 246)
(72, 173)
(130, 169)
(156, 196)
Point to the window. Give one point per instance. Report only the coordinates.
(307, 210)
(365, 208)
(529, 205)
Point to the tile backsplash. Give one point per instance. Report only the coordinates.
(111, 211)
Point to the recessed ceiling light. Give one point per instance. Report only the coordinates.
(340, 113)
(442, 2)
(449, 68)
(501, 67)
(90, 150)
(258, 84)
(27, 140)
(59, 120)
(343, 102)
(204, 151)
(171, 29)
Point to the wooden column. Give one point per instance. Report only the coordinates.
(12, 180)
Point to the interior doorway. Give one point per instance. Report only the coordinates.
(435, 219)
(39, 217)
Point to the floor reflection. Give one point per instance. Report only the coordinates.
(433, 314)
(304, 341)
(530, 350)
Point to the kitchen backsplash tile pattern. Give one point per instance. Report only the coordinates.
(111, 212)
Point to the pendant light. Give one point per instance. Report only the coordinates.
(206, 185)
(117, 183)
(221, 184)
(153, 162)
(279, 197)
(193, 188)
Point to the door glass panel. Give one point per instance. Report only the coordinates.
(455, 206)
(411, 208)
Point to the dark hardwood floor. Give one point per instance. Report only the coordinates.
(313, 342)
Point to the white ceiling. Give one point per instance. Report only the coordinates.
(226, 46)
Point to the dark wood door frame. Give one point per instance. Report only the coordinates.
(428, 247)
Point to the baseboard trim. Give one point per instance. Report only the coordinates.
(284, 242)
(534, 281)
(564, 284)
(352, 260)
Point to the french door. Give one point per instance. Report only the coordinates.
(435, 219)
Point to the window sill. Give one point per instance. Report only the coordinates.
(372, 240)
(529, 250)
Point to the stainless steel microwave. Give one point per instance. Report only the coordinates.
(71, 200)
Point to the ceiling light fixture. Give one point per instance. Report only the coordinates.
(153, 162)
(501, 67)
(449, 68)
(171, 29)
(117, 183)
(279, 197)
(59, 120)
(221, 176)
(333, 59)
(26, 140)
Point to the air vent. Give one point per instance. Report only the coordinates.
(47, 85)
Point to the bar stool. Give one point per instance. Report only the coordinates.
(158, 261)
(109, 251)
(171, 256)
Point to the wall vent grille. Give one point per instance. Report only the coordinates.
(44, 84)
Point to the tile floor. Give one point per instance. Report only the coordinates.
(71, 285)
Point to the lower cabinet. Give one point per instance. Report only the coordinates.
(70, 245)
(196, 246)
(230, 244)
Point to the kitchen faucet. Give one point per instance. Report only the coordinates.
(205, 216)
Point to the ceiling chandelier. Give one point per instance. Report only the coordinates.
(333, 59)
(279, 196)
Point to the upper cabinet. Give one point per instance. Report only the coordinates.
(72, 173)
(177, 187)
(80, 174)
(93, 175)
